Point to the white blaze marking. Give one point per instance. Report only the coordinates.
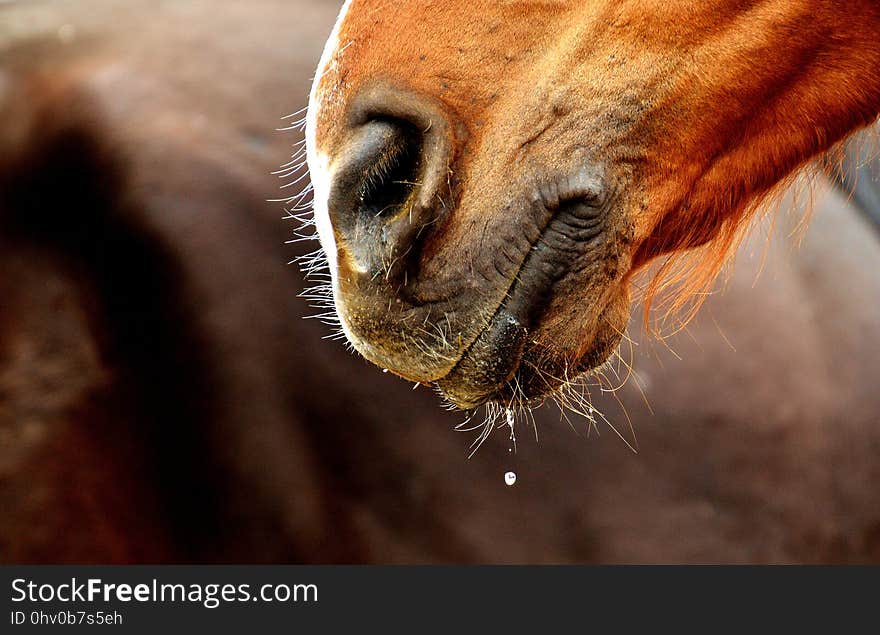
(510, 478)
(319, 164)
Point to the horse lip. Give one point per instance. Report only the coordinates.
(488, 363)
(487, 366)
(572, 229)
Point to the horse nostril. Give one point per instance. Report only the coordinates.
(389, 179)
(372, 202)
(391, 174)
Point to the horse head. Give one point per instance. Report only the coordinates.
(488, 175)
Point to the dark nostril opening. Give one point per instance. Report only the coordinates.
(391, 177)
(373, 202)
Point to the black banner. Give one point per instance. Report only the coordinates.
(233, 599)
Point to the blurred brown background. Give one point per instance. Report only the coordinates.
(162, 399)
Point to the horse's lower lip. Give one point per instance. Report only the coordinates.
(488, 364)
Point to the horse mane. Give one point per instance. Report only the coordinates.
(673, 287)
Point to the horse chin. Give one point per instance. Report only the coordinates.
(531, 374)
(513, 364)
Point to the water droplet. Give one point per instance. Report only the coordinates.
(510, 478)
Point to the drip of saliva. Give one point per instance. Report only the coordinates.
(510, 477)
(510, 422)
